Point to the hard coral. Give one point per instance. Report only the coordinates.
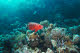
(49, 51)
(75, 29)
(54, 43)
(51, 40)
(33, 36)
(33, 44)
(76, 37)
(73, 50)
(20, 37)
(45, 23)
(58, 33)
(63, 50)
(69, 43)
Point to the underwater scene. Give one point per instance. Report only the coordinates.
(39, 26)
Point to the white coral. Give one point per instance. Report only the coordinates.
(58, 31)
(49, 51)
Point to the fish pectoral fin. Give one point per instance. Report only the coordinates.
(36, 30)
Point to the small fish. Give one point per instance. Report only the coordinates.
(34, 26)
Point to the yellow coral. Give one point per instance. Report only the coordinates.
(33, 35)
(51, 25)
(69, 43)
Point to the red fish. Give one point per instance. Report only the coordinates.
(34, 26)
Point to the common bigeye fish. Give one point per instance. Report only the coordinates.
(34, 26)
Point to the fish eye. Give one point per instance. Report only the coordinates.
(39, 26)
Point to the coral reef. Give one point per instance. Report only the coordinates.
(75, 29)
(51, 39)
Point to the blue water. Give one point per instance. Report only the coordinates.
(15, 14)
(25, 11)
